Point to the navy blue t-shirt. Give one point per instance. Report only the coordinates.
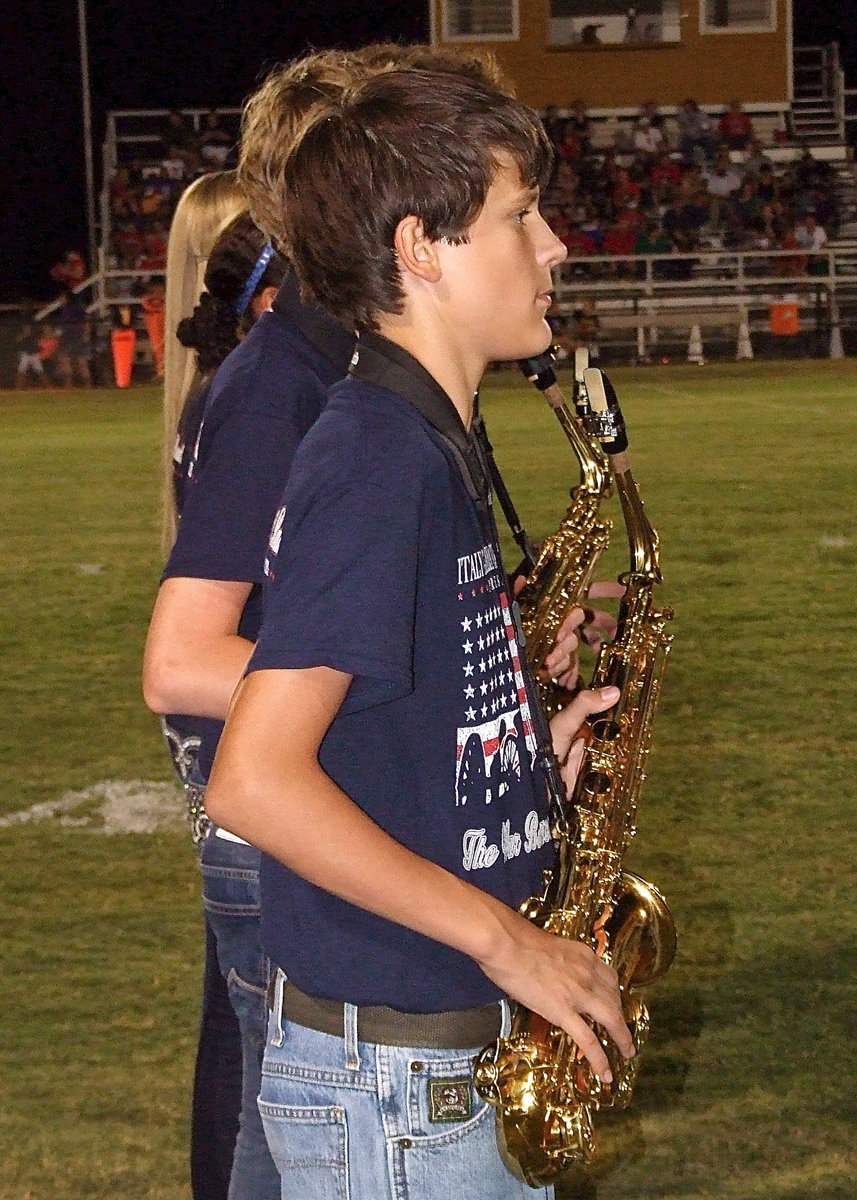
(383, 566)
(263, 399)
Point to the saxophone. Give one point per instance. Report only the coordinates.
(544, 1091)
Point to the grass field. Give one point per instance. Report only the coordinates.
(747, 1088)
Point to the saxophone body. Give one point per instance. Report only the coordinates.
(545, 1093)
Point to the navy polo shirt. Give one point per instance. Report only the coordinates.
(263, 399)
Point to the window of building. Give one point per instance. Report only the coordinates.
(487, 20)
(613, 22)
(738, 16)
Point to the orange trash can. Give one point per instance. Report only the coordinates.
(784, 318)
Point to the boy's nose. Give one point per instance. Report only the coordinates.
(553, 252)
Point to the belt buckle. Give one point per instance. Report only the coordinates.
(197, 818)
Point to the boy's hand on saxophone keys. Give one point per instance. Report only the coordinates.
(565, 982)
(561, 664)
(566, 725)
(599, 626)
(560, 978)
(592, 626)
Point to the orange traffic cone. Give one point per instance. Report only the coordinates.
(153, 316)
(122, 342)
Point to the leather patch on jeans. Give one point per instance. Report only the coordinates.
(450, 1100)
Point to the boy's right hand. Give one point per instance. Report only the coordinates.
(560, 978)
(565, 982)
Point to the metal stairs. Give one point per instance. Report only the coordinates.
(817, 112)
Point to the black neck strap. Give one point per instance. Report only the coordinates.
(378, 360)
(519, 533)
(381, 361)
(546, 760)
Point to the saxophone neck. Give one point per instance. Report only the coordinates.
(603, 418)
(643, 541)
(594, 466)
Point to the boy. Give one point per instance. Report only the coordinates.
(380, 750)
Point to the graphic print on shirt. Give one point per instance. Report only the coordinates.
(496, 744)
(498, 730)
(274, 539)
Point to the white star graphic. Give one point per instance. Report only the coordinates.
(481, 643)
(471, 714)
(483, 688)
(482, 666)
(465, 624)
(484, 710)
(467, 646)
(469, 692)
(468, 669)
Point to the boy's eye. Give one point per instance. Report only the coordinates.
(525, 212)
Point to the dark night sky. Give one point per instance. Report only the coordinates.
(164, 53)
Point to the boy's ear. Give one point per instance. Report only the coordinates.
(416, 251)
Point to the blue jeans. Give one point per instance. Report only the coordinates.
(230, 891)
(216, 1085)
(349, 1120)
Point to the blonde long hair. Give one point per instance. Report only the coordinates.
(202, 211)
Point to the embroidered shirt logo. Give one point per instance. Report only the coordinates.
(449, 1100)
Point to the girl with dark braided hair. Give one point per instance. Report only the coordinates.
(242, 277)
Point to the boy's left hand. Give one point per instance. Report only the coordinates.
(592, 626)
(564, 727)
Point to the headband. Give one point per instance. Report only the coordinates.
(253, 279)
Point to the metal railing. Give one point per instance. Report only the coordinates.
(712, 272)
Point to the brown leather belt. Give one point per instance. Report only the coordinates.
(383, 1026)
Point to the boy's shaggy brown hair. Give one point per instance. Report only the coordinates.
(276, 114)
(425, 143)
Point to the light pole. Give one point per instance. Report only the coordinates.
(87, 135)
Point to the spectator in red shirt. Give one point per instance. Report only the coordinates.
(569, 147)
(620, 239)
(580, 124)
(735, 127)
(576, 241)
(128, 244)
(665, 175)
(154, 256)
(625, 190)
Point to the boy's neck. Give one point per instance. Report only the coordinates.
(459, 379)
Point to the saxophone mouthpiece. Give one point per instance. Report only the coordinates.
(605, 421)
(539, 370)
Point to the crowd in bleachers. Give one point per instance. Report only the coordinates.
(144, 193)
(657, 183)
(680, 184)
(660, 184)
